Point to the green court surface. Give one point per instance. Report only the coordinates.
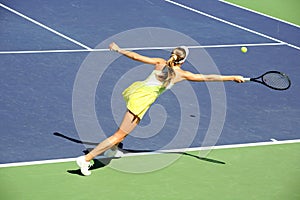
(261, 172)
(287, 10)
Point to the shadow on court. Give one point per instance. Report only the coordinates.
(102, 162)
(181, 153)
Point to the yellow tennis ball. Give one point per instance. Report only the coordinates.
(244, 49)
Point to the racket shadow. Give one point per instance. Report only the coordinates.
(181, 153)
(203, 158)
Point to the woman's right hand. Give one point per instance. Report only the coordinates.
(239, 79)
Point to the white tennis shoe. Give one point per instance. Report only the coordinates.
(84, 165)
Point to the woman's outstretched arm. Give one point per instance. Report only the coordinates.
(135, 56)
(186, 75)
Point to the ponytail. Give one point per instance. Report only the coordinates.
(169, 73)
(178, 56)
(172, 60)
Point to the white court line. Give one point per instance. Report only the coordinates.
(233, 146)
(49, 51)
(139, 48)
(230, 23)
(259, 13)
(43, 26)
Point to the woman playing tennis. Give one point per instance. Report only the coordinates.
(142, 94)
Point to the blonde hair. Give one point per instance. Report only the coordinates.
(178, 56)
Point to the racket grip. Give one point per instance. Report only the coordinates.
(247, 79)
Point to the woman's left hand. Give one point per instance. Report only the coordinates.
(114, 47)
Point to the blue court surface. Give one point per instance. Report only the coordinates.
(45, 47)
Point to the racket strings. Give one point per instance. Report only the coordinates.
(276, 80)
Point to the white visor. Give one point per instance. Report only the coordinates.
(186, 54)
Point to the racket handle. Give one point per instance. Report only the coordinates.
(247, 79)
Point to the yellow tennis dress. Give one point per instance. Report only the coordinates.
(140, 95)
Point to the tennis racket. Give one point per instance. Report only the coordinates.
(273, 79)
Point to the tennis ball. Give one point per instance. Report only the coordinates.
(244, 49)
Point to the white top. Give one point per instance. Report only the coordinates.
(159, 77)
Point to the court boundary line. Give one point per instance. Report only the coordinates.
(230, 146)
(43, 26)
(139, 48)
(260, 13)
(231, 23)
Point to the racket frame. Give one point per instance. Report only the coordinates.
(259, 79)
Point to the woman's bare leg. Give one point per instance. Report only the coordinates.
(129, 122)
